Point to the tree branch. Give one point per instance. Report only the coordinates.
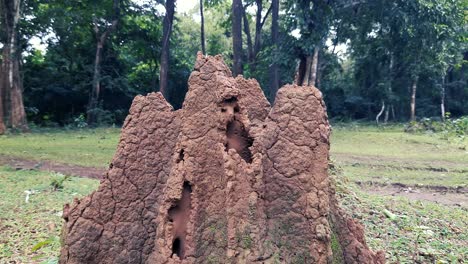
(265, 17)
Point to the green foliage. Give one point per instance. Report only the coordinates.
(389, 43)
(58, 181)
(457, 127)
(80, 121)
(336, 248)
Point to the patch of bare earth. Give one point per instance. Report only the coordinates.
(67, 169)
(400, 163)
(437, 194)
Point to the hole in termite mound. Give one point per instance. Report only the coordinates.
(179, 215)
(177, 248)
(238, 138)
(181, 156)
(230, 105)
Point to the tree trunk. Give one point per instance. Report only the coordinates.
(17, 113)
(387, 112)
(3, 72)
(442, 99)
(274, 72)
(237, 36)
(414, 86)
(314, 66)
(96, 89)
(2, 82)
(308, 68)
(250, 51)
(202, 28)
(380, 113)
(12, 88)
(258, 30)
(96, 86)
(319, 72)
(259, 22)
(167, 30)
(300, 71)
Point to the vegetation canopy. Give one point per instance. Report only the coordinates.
(375, 60)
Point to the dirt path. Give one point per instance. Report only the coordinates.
(400, 163)
(68, 169)
(437, 194)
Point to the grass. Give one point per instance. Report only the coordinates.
(87, 147)
(392, 143)
(369, 153)
(421, 232)
(30, 230)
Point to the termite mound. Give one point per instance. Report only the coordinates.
(225, 179)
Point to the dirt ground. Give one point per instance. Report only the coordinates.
(67, 169)
(437, 194)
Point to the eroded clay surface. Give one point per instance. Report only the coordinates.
(226, 179)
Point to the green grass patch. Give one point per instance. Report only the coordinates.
(389, 155)
(30, 231)
(394, 143)
(421, 232)
(86, 147)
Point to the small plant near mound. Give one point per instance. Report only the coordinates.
(58, 181)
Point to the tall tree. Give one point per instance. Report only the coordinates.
(202, 28)
(102, 33)
(312, 18)
(254, 46)
(237, 10)
(167, 30)
(314, 66)
(11, 84)
(274, 72)
(414, 86)
(2, 123)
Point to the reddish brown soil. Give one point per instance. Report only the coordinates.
(436, 194)
(67, 169)
(225, 179)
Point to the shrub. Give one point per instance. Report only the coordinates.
(80, 121)
(58, 181)
(450, 127)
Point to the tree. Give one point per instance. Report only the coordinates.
(274, 74)
(312, 18)
(102, 33)
(11, 85)
(167, 30)
(2, 123)
(254, 46)
(237, 36)
(202, 28)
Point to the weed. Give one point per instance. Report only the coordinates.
(58, 180)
